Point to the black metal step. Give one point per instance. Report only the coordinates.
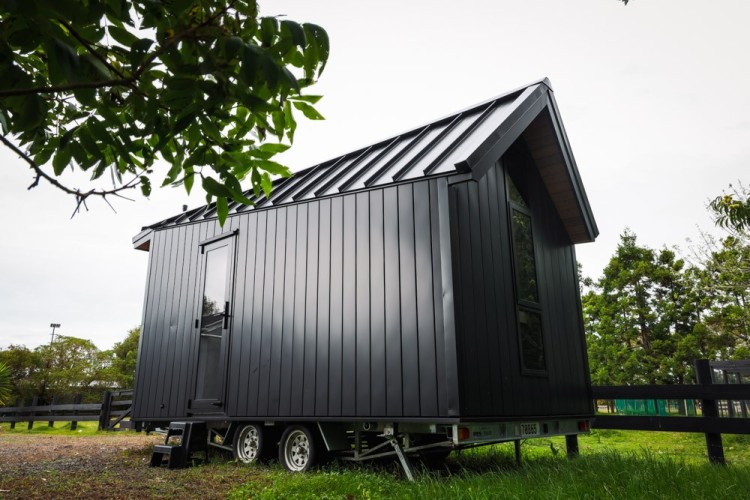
(193, 437)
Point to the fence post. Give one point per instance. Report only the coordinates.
(105, 411)
(76, 401)
(714, 444)
(51, 423)
(31, 413)
(18, 404)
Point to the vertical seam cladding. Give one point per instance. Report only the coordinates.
(416, 296)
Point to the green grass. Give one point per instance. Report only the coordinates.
(602, 475)
(613, 464)
(60, 428)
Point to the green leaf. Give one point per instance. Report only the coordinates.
(294, 31)
(236, 190)
(312, 99)
(252, 61)
(290, 122)
(31, 113)
(145, 186)
(174, 171)
(121, 35)
(308, 111)
(273, 148)
(189, 179)
(256, 104)
(232, 46)
(87, 140)
(266, 184)
(99, 170)
(273, 168)
(321, 43)
(138, 51)
(182, 122)
(222, 209)
(268, 29)
(63, 62)
(61, 160)
(255, 181)
(215, 188)
(87, 97)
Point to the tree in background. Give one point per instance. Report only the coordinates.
(68, 366)
(25, 366)
(650, 315)
(726, 285)
(114, 87)
(732, 210)
(641, 318)
(5, 384)
(72, 365)
(123, 359)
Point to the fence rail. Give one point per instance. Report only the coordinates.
(708, 393)
(110, 413)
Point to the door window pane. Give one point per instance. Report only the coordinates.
(209, 384)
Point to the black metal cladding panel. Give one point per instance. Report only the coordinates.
(167, 352)
(337, 310)
(490, 376)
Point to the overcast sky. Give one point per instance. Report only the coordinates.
(653, 97)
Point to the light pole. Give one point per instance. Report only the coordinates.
(53, 325)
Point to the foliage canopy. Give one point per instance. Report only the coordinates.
(112, 87)
(67, 366)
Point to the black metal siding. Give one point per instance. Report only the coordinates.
(491, 380)
(338, 310)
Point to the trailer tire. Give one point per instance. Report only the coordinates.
(249, 444)
(298, 449)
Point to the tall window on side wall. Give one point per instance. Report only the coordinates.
(528, 307)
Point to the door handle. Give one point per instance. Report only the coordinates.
(226, 315)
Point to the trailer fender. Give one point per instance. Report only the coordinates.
(334, 436)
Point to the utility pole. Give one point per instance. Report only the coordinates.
(53, 325)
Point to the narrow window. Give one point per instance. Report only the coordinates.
(528, 307)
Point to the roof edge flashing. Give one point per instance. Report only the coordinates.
(142, 240)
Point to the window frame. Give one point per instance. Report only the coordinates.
(520, 303)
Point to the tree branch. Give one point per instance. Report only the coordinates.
(90, 48)
(80, 195)
(55, 89)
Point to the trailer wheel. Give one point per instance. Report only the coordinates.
(297, 449)
(248, 445)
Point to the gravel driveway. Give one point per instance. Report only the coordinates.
(105, 465)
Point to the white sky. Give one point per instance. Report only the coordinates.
(653, 97)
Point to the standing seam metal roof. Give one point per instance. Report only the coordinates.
(451, 145)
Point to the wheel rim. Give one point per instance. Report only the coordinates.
(248, 444)
(297, 450)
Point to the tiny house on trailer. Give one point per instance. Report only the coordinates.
(414, 296)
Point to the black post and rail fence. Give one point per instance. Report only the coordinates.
(711, 396)
(110, 413)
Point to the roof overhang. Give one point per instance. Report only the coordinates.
(536, 119)
(142, 240)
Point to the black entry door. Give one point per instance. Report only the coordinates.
(213, 326)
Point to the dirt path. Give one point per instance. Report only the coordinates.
(112, 465)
